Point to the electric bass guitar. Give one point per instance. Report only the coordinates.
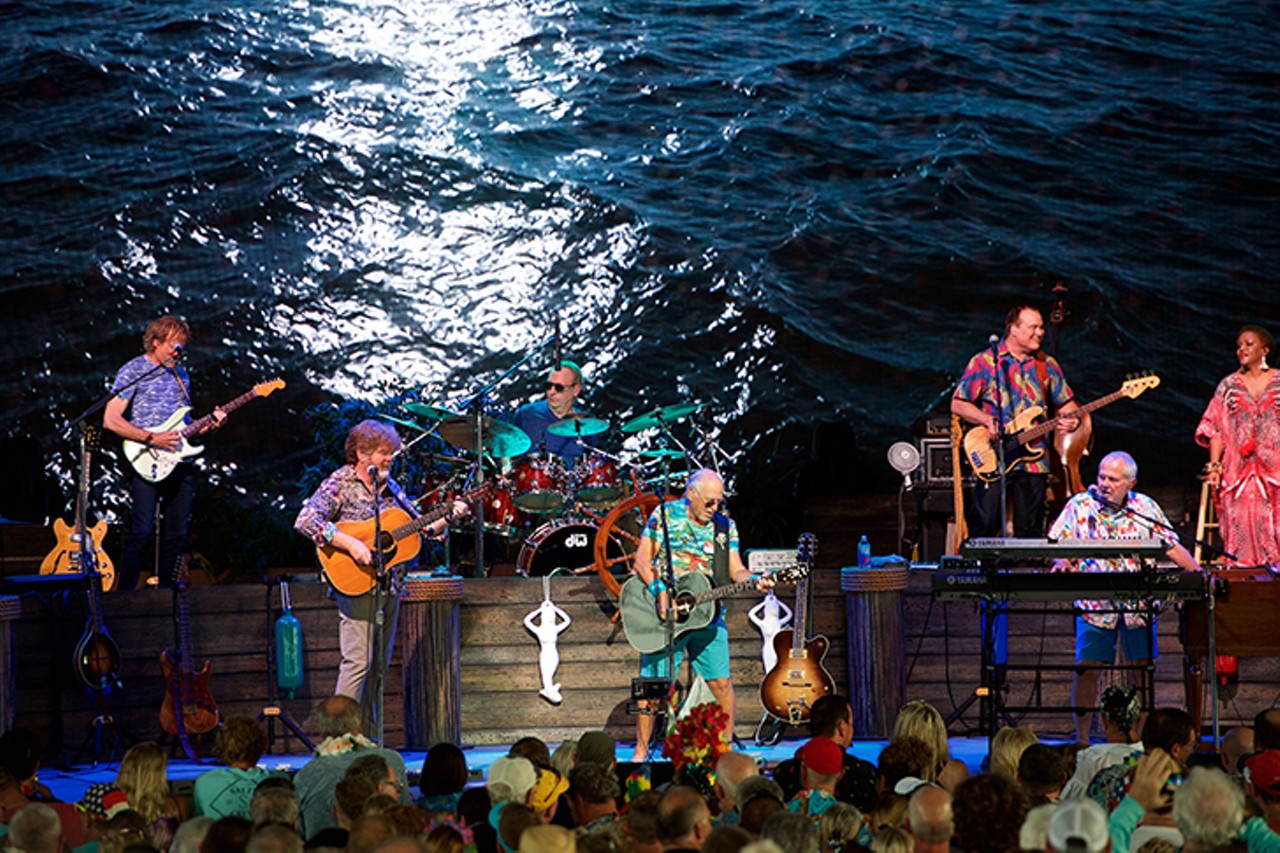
(188, 707)
(153, 464)
(982, 454)
(693, 605)
(799, 679)
(399, 543)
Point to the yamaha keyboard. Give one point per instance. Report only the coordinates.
(1029, 585)
(1064, 549)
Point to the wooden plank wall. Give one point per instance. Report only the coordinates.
(229, 628)
(499, 659)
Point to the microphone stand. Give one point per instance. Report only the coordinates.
(1210, 601)
(377, 668)
(999, 400)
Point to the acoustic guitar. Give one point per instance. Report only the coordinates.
(693, 604)
(799, 679)
(982, 453)
(188, 706)
(153, 464)
(399, 543)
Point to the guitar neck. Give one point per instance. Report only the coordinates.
(227, 408)
(1051, 424)
(799, 626)
(724, 591)
(431, 516)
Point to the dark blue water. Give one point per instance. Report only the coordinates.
(808, 212)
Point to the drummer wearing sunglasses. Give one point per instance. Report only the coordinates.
(562, 389)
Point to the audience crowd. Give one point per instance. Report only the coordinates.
(1146, 789)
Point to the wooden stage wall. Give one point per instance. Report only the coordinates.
(499, 660)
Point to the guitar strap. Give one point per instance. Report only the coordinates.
(1042, 373)
(720, 559)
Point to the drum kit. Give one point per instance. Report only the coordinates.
(567, 517)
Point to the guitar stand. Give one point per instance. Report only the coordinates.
(770, 730)
(103, 732)
(272, 712)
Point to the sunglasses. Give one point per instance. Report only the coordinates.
(559, 388)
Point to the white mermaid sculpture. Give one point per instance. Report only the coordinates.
(770, 616)
(545, 622)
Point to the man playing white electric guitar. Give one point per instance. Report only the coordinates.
(148, 391)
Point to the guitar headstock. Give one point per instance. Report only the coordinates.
(1138, 383)
(265, 389)
(805, 553)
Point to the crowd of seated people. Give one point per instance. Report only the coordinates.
(1144, 789)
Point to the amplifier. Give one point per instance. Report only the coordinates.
(935, 454)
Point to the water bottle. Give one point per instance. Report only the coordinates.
(288, 646)
(864, 551)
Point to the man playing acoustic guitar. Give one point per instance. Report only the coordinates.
(692, 528)
(1026, 378)
(346, 498)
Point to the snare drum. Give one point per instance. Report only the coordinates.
(539, 484)
(595, 481)
(561, 544)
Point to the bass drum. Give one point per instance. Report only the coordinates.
(564, 544)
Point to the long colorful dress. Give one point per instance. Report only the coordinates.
(1249, 494)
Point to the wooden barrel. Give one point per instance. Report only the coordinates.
(430, 651)
(876, 645)
(10, 610)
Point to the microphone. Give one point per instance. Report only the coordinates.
(179, 353)
(1093, 493)
(559, 363)
(993, 340)
(374, 473)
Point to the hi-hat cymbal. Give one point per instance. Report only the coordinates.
(434, 413)
(500, 437)
(662, 415)
(576, 426)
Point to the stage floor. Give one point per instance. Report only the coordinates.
(68, 784)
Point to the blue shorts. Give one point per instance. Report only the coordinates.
(1098, 645)
(708, 647)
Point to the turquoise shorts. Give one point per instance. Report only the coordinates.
(1098, 645)
(708, 647)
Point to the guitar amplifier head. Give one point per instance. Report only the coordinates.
(936, 453)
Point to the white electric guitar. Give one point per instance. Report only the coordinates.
(154, 463)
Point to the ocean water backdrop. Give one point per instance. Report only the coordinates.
(807, 211)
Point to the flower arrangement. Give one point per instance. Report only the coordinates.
(339, 744)
(698, 738)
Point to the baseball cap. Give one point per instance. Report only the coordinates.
(1263, 770)
(598, 747)
(103, 800)
(822, 755)
(1079, 821)
(511, 778)
(547, 789)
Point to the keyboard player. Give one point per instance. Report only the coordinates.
(1111, 509)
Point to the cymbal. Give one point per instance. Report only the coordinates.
(402, 422)
(577, 425)
(663, 415)
(434, 413)
(662, 453)
(500, 437)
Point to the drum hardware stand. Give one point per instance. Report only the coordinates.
(475, 405)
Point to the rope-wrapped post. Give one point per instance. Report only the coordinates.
(10, 610)
(430, 643)
(876, 645)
